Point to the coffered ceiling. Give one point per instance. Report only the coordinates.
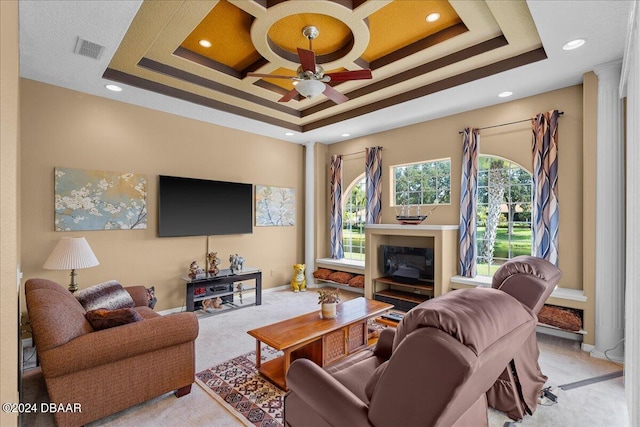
(420, 69)
(409, 57)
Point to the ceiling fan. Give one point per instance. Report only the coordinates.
(311, 79)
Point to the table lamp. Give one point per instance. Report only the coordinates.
(71, 253)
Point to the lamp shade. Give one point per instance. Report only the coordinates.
(310, 88)
(71, 253)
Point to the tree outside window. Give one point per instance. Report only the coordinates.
(354, 218)
(427, 183)
(503, 221)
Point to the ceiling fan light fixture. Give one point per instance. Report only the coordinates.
(310, 88)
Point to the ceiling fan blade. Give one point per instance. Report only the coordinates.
(334, 95)
(289, 96)
(307, 60)
(270, 76)
(343, 76)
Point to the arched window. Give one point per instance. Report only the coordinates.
(503, 222)
(354, 217)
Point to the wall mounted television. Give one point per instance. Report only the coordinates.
(200, 207)
(407, 265)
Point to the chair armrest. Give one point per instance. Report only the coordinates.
(139, 295)
(384, 346)
(118, 343)
(324, 394)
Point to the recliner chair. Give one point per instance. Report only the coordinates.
(433, 370)
(530, 280)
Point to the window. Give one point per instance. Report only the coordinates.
(503, 221)
(354, 217)
(427, 183)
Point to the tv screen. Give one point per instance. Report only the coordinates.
(200, 207)
(407, 265)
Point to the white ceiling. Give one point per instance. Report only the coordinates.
(49, 30)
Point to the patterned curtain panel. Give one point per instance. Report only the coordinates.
(545, 186)
(468, 202)
(373, 175)
(335, 172)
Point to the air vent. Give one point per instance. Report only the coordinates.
(87, 48)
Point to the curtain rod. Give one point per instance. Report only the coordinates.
(357, 152)
(506, 124)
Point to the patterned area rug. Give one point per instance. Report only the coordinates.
(238, 386)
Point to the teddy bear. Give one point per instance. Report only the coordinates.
(299, 282)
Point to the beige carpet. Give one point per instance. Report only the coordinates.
(224, 336)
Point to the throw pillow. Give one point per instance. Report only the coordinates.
(559, 317)
(103, 319)
(322, 273)
(151, 297)
(341, 277)
(357, 281)
(110, 295)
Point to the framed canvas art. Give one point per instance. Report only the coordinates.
(99, 200)
(275, 206)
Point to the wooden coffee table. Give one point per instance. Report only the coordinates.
(310, 336)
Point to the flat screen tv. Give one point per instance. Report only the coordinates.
(407, 265)
(200, 207)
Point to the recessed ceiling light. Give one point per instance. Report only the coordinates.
(433, 17)
(113, 88)
(505, 94)
(204, 43)
(344, 135)
(574, 44)
(289, 133)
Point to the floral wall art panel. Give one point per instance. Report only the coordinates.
(275, 206)
(99, 200)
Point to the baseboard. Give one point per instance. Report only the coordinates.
(600, 355)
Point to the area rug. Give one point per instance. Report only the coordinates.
(238, 386)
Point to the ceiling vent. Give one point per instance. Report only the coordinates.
(87, 48)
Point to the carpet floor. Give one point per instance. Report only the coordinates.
(223, 337)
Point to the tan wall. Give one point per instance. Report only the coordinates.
(9, 207)
(70, 129)
(437, 139)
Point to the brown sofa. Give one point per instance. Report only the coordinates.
(108, 370)
(433, 370)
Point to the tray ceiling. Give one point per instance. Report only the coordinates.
(409, 57)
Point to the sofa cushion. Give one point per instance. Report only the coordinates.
(109, 295)
(105, 319)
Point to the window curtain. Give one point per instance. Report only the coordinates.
(468, 202)
(545, 186)
(335, 218)
(373, 176)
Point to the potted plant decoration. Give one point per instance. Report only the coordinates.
(328, 298)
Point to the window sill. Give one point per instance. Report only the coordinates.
(341, 264)
(485, 281)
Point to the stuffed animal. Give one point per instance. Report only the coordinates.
(299, 282)
(212, 263)
(195, 269)
(237, 263)
(211, 303)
